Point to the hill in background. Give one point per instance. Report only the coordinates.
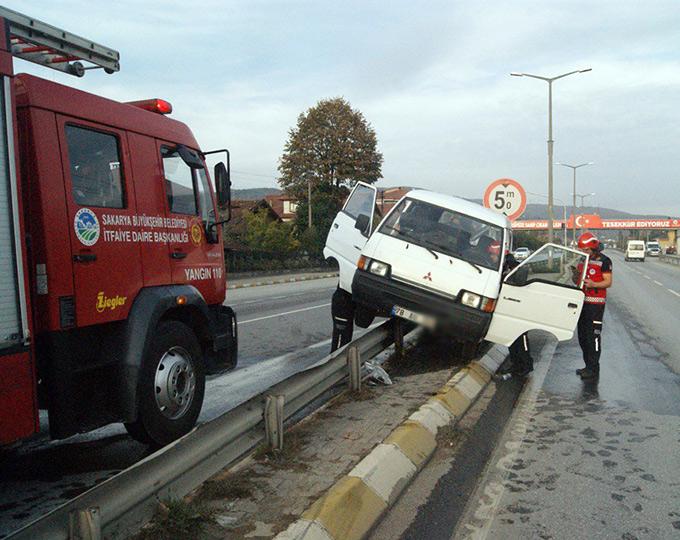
(253, 193)
(532, 211)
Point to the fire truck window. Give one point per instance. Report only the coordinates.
(96, 173)
(179, 184)
(204, 198)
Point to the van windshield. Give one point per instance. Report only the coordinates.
(446, 231)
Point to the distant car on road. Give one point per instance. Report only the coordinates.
(522, 253)
(635, 250)
(653, 249)
(671, 250)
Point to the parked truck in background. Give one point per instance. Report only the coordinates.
(112, 276)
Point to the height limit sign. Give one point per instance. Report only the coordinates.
(506, 196)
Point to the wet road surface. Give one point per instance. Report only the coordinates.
(283, 329)
(574, 459)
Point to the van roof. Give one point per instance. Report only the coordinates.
(36, 92)
(460, 205)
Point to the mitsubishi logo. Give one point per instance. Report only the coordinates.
(428, 276)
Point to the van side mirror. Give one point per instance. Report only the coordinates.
(362, 223)
(223, 187)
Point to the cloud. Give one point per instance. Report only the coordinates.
(432, 78)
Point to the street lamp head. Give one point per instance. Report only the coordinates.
(584, 70)
(516, 74)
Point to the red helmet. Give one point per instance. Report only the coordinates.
(588, 240)
(494, 248)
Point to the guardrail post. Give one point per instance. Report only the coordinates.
(273, 421)
(85, 524)
(398, 337)
(354, 366)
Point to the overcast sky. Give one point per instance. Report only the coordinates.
(431, 77)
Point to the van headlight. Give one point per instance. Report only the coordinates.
(379, 268)
(477, 301)
(470, 299)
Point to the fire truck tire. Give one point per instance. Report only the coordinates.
(171, 385)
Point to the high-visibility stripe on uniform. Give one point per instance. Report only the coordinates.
(595, 300)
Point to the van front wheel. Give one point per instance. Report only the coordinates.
(171, 386)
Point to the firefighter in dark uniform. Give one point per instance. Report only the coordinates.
(521, 362)
(597, 280)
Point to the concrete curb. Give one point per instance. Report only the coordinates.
(282, 279)
(357, 501)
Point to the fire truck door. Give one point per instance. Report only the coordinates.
(191, 208)
(105, 232)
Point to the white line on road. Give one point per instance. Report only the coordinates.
(674, 292)
(647, 277)
(285, 313)
(659, 284)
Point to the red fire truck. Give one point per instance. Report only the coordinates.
(112, 277)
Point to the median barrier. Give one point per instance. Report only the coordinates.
(357, 502)
(121, 505)
(670, 259)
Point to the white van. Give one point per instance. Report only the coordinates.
(635, 250)
(437, 260)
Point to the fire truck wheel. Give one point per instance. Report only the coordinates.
(171, 386)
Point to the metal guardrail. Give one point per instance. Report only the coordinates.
(123, 503)
(671, 259)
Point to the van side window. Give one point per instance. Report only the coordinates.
(179, 184)
(96, 171)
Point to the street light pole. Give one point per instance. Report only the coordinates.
(573, 168)
(550, 80)
(584, 196)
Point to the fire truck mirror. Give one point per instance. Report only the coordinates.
(223, 188)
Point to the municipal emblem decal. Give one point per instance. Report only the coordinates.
(428, 276)
(86, 226)
(196, 234)
(591, 271)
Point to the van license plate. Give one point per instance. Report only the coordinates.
(419, 318)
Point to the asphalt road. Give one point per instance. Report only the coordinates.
(562, 458)
(283, 329)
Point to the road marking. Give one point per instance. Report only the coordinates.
(647, 277)
(486, 500)
(283, 314)
(659, 284)
(674, 292)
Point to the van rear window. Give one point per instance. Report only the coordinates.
(96, 171)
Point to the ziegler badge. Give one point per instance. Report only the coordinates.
(104, 302)
(196, 234)
(86, 226)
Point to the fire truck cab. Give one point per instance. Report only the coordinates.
(112, 276)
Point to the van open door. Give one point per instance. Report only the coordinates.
(350, 231)
(542, 293)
